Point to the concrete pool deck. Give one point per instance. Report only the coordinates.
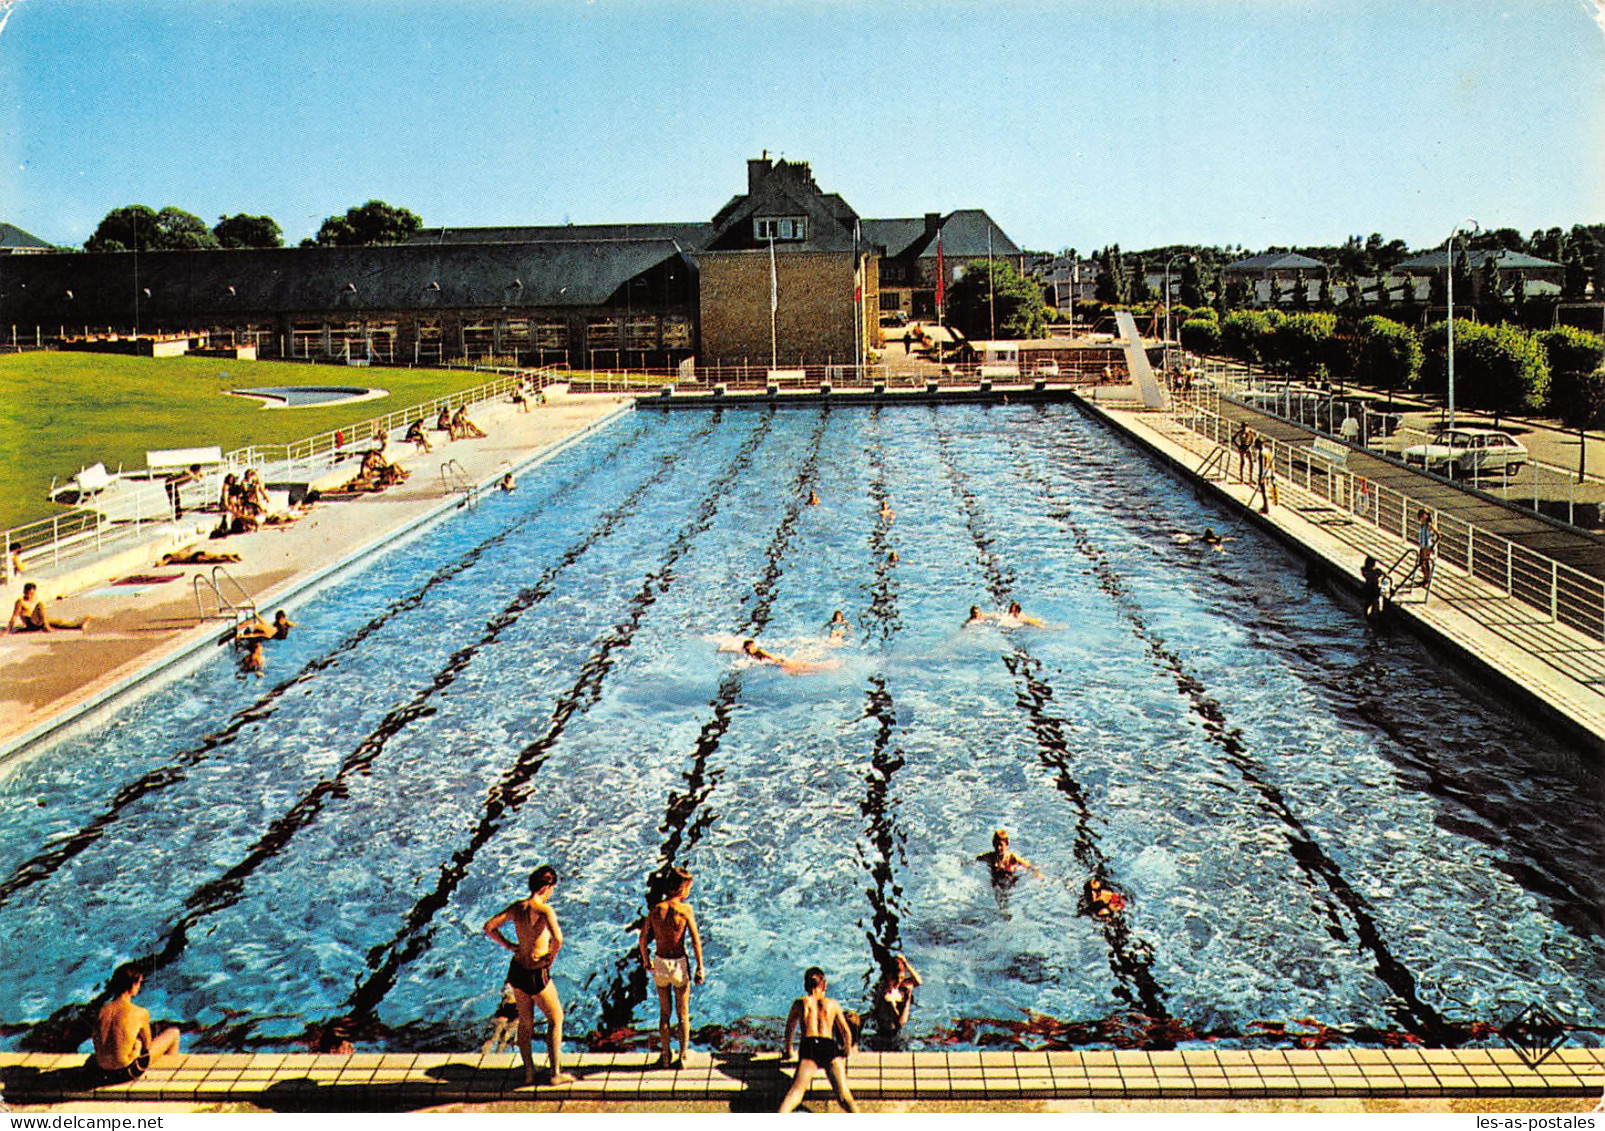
(393, 1081)
(49, 677)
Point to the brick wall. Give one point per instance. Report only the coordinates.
(814, 320)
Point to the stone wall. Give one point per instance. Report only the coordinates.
(814, 317)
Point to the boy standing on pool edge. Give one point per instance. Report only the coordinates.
(530, 971)
(668, 924)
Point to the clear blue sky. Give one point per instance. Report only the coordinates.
(1246, 122)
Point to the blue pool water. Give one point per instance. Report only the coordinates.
(1314, 825)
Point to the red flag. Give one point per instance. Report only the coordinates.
(941, 279)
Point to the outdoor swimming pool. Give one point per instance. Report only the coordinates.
(1310, 821)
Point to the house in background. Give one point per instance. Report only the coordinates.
(1275, 277)
(908, 265)
(1516, 270)
(15, 241)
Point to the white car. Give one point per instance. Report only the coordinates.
(1470, 451)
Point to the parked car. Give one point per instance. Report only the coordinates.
(1470, 451)
(1049, 368)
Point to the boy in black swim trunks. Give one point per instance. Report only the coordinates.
(826, 1041)
(124, 1044)
(529, 972)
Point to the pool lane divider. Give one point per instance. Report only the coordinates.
(1131, 958)
(194, 653)
(513, 788)
(68, 1025)
(1323, 877)
(44, 864)
(685, 820)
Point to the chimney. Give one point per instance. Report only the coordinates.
(757, 172)
(933, 221)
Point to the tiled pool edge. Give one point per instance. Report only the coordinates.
(418, 1080)
(195, 649)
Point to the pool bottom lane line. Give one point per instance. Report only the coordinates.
(513, 788)
(685, 822)
(69, 1025)
(41, 866)
(1324, 878)
(1131, 958)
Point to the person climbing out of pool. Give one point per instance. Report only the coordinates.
(1003, 862)
(667, 925)
(415, 435)
(464, 426)
(837, 628)
(826, 1041)
(894, 998)
(1016, 617)
(253, 662)
(1371, 577)
(254, 629)
(530, 970)
(30, 614)
(813, 497)
(124, 1045)
(1101, 901)
(1426, 549)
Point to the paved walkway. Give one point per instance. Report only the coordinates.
(1556, 665)
(755, 1082)
(46, 675)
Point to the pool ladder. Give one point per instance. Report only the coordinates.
(241, 607)
(1413, 557)
(454, 480)
(1217, 460)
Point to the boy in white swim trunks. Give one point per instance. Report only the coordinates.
(667, 924)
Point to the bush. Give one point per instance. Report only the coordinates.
(1303, 343)
(1575, 357)
(1390, 353)
(1244, 334)
(1497, 368)
(1200, 335)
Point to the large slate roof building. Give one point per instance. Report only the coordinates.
(598, 295)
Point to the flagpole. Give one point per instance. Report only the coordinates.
(774, 306)
(991, 302)
(858, 302)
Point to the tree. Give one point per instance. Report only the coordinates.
(373, 223)
(1491, 291)
(996, 286)
(1192, 288)
(1140, 290)
(1113, 288)
(242, 230)
(1200, 335)
(138, 227)
(1303, 343)
(1498, 368)
(1574, 356)
(1244, 333)
(1390, 354)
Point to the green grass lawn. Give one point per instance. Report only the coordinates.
(61, 411)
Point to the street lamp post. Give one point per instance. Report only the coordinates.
(1168, 262)
(1449, 322)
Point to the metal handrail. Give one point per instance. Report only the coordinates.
(1567, 595)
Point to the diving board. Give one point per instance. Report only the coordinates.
(1142, 375)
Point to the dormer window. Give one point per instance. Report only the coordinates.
(780, 227)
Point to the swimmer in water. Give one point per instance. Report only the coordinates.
(1015, 616)
(1003, 861)
(254, 661)
(750, 649)
(1102, 901)
(892, 558)
(977, 616)
(508, 483)
(886, 512)
(813, 497)
(836, 628)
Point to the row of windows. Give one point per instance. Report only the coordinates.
(780, 227)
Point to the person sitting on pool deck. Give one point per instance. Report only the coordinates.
(667, 925)
(836, 628)
(1004, 863)
(530, 971)
(443, 423)
(415, 435)
(466, 427)
(125, 1047)
(31, 613)
(826, 1041)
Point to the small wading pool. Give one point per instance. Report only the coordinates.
(310, 396)
(1322, 835)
